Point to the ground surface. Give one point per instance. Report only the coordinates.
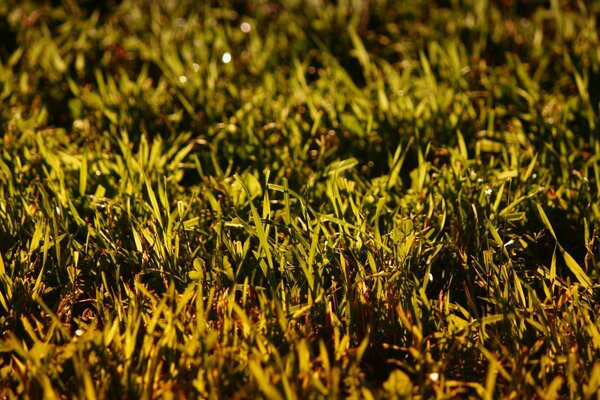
(299, 199)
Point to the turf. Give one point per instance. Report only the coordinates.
(289, 199)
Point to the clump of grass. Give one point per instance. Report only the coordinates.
(295, 200)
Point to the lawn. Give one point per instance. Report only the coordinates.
(299, 199)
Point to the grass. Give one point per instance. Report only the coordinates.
(362, 199)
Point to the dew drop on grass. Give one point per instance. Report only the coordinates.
(488, 191)
(434, 376)
(183, 79)
(196, 67)
(78, 332)
(78, 124)
(226, 58)
(245, 27)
